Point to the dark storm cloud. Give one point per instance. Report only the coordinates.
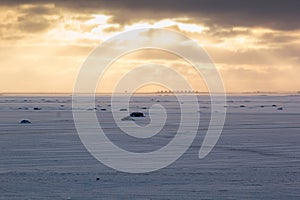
(34, 19)
(288, 54)
(31, 24)
(40, 10)
(277, 14)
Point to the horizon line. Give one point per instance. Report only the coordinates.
(165, 92)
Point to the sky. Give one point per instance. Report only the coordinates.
(254, 44)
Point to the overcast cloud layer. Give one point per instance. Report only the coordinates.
(255, 44)
(277, 14)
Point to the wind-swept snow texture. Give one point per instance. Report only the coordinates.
(256, 157)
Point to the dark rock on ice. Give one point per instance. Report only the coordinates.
(137, 114)
(25, 121)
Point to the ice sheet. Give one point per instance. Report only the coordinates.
(257, 156)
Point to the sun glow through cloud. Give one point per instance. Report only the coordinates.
(50, 42)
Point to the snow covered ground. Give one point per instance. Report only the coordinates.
(256, 157)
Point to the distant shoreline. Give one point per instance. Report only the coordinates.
(147, 93)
